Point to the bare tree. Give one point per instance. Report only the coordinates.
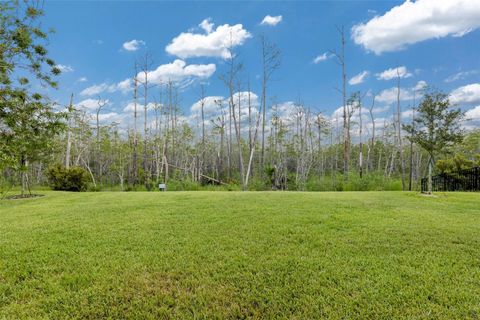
(69, 133)
(346, 132)
(134, 173)
(360, 153)
(100, 105)
(271, 59)
(147, 63)
(399, 132)
(372, 139)
(410, 176)
(202, 115)
(233, 69)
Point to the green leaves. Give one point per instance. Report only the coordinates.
(28, 120)
(436, 125)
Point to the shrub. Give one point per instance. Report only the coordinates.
(71, 179)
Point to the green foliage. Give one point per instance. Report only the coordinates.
(466, 154)
(235, 255)
(28, 120)
(22, 45)
(457, 163)
(436, 126)
(71, 179)
(369, 182)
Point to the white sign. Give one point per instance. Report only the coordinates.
(162, 186)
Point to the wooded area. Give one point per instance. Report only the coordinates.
(240, 145)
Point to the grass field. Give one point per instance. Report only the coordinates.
(240, 255)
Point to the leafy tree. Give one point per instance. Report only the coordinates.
(436, 127)
(27, 119)
(22, 46)
(28, 136)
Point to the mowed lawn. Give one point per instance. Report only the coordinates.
(218, 255)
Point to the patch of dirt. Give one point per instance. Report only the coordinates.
(25, 196)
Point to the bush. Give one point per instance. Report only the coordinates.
(71, 179)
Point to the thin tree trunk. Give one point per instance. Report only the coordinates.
(69, 135)
(399, 133)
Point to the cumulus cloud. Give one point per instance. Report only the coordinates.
(460, 75)
(64, 68)
(284, 110)
(178, 71)
(271, 20)
(389, 96)
(212, 107)
(91, 104)
(469, 94)
(207, 25)
(359, 78)
(322, 57)
(130, 107)
(420, 85)
(211, 103)
(82, 79)
(110, 117)
(211, 43)
(96, 89)
(393, 73)
(412, 22)
(133, 45)
(473, 114)
(124, 86)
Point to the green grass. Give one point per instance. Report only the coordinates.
(240, 255)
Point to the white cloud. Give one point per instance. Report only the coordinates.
(91, 104)
(412, 22)
(82, 79)
(96, 89)
(210, 105)
(393, 73)
(211, 44)
(460, 75)
(64, 68)
(322, 57)
(125, 85)
(390, 95)
(359, 78)
(271, 20)
(130, 107)
(110, 117)
(178, 71)
(469, 94)
(212, 108)
(207, 25)
(133, 45)
(284, 110)
(420, 85)
(473, 114)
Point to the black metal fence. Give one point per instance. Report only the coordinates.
(464, 180)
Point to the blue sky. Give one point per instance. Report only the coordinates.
(434, 42)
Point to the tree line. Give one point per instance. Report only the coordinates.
(241, 145)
